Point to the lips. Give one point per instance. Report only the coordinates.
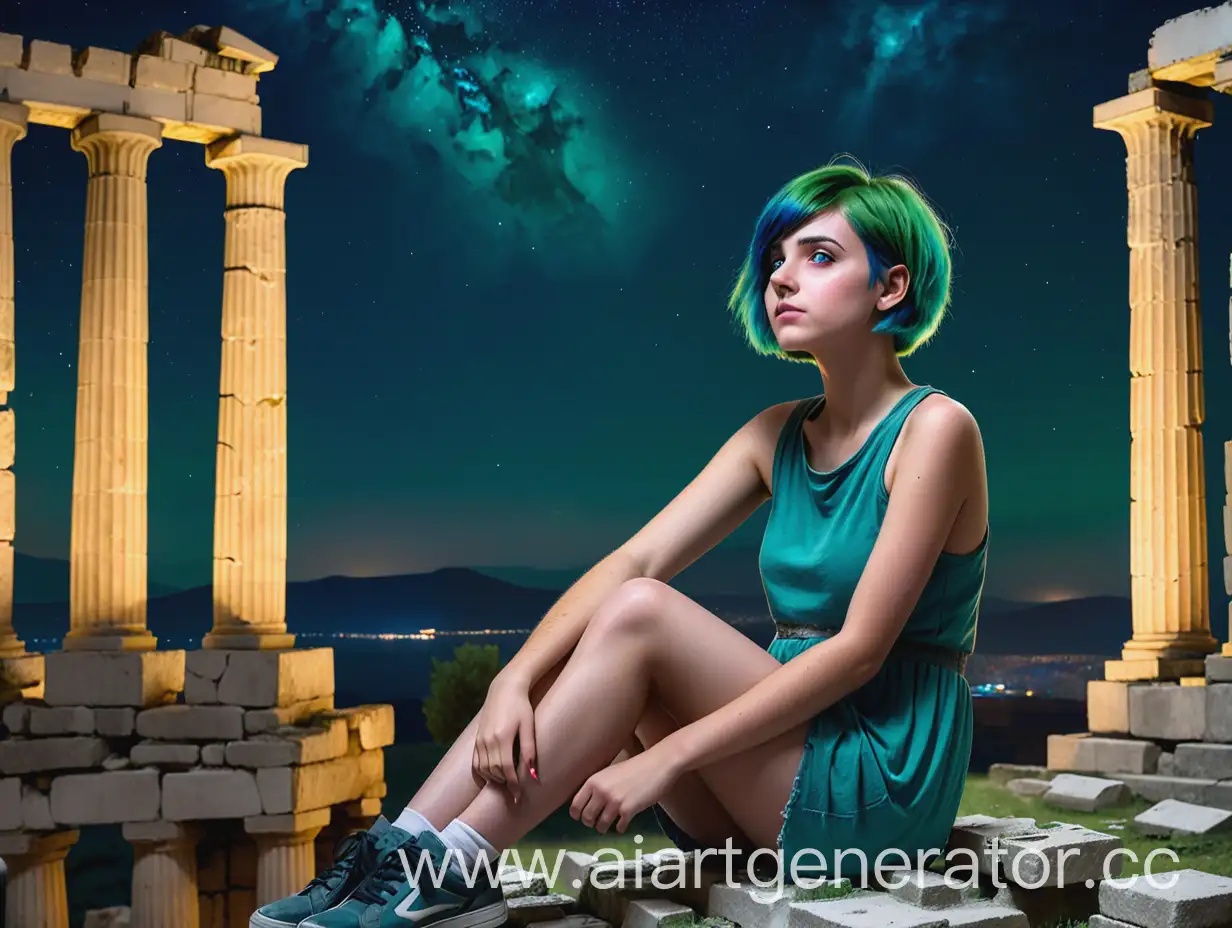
(787, 308)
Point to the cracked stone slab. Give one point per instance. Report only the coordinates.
(874, 910)
(1172, 816)
(517, 882)
(1194, 900)
(1017, 850)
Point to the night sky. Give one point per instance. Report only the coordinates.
(504, 356)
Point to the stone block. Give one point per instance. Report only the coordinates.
(48, 57)
(374, 724)
(1062, 750)
(1116, 755)
(164, 753)
(1026, 786)
(161, 74)
(61, 720)
(26, 673)
(1218, 668)
(926, 889)
(16, 718)
(229, 84)
(158, 832)
(1019, 851)
(191, 723)
(1203, 761)
(36, 810)
(1167, 711)
(986, 915)
(223, 115)
(526, 910)
(291, 745)
(517, 882)
(266, 679)
(573, 872)
(1085, 794)
(876, 910)
(104, 64)
(1171, 817)
(210, 794)
(174, 49)
(1218, 713)
(1166, 767)
(1108, 707)
(315, 786)
(1193, 900)
(202, 671)
(363, 808)
(657, 913)
(167, 106)
(257, 721)
(1156, 788)
(10, 804)
(290, 824)
(118, 722)
(11, 50)
(213, 755)
(105, 798)
(113, 678)
(34, 755)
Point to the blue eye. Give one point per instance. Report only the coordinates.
(820, 254)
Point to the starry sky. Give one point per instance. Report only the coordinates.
(508, 342)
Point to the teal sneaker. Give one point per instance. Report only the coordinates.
(441, 896)
(354, 858)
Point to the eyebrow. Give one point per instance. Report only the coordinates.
(811, 240)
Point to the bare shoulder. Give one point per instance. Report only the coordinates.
(765, 430)
(942, 429)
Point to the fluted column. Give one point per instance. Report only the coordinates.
(1168, 532)
(164, 891)
(107, 587)
(250, 508)
(36, 896)
(286, 851)
(18, 668)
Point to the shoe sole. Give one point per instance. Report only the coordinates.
(264, 921)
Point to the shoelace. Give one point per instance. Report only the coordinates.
(358, 844)
(384, 879)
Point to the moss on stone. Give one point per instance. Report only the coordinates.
(834, 890)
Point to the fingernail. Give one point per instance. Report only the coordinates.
(534, 775)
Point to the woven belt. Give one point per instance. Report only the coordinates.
(902, 649)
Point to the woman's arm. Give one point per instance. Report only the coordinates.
(941, 463)
(727, 491)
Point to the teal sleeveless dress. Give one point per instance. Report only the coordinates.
(884, 768)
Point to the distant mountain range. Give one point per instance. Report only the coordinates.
(460, 598)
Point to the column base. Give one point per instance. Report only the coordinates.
(21, 677)
(1154, 668)
(110, 640)
(248, 641)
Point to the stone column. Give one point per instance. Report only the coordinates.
(286, 851)
(250, 515)
(107, 594)
(19, 670)
(36, 895)
(1168, 559)
(164, 874)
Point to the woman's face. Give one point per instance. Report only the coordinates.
(818, 287)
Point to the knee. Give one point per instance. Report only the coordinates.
(635, 607)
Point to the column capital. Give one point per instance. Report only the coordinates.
(14, 118)
(256, 168)
(1138, 107)
(115, 144)
(160, 833)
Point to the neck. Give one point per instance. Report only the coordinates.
(861, 384)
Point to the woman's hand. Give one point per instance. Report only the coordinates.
(620, 791)
(506, 714)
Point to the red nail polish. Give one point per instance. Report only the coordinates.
(534, 775)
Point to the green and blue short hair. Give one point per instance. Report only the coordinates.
(897, 226)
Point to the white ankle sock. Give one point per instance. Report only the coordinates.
(468, 843)
(412, 822)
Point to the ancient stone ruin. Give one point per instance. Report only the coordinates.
(230, 768)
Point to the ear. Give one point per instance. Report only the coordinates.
(895, 283)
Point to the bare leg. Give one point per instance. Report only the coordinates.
(646, 642)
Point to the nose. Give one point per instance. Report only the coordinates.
(781, 281)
